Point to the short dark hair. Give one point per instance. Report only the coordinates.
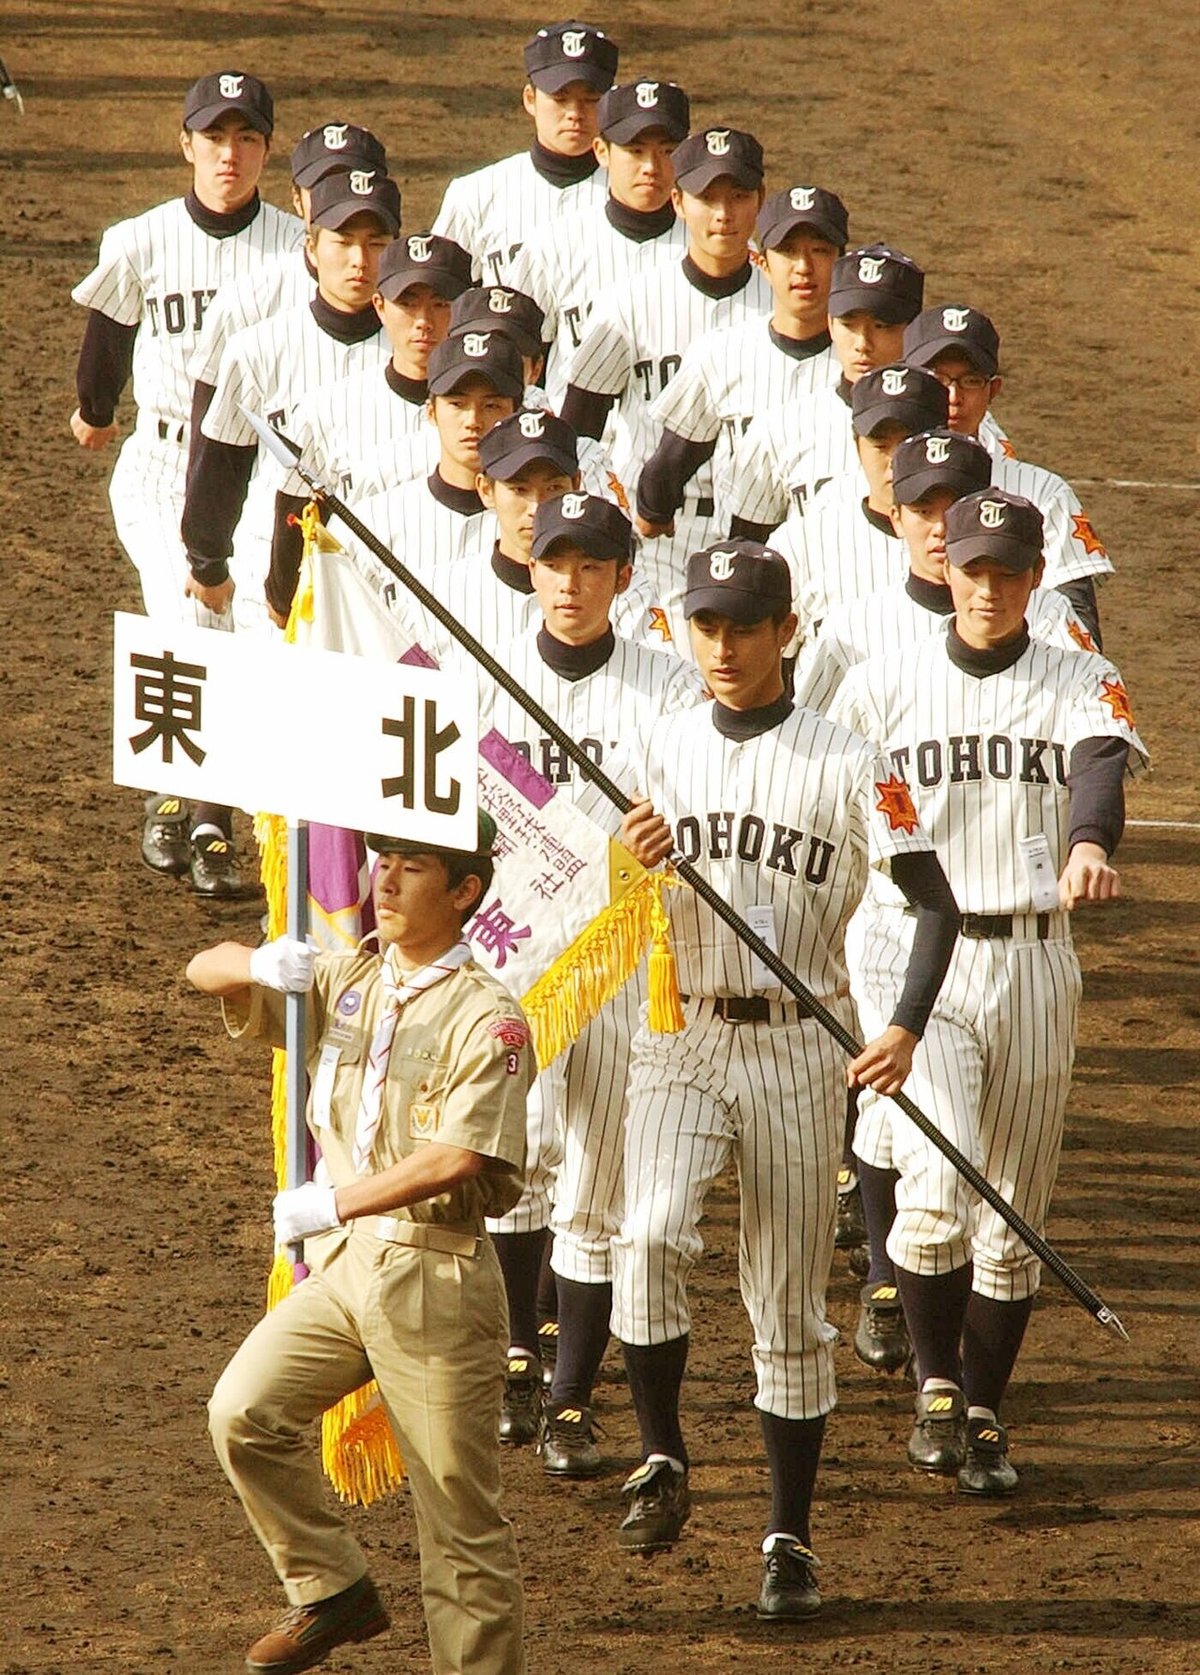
(459, 867)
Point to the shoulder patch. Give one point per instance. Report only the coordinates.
(895, 800)
(513, 1032)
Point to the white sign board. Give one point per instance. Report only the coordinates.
(313, 735)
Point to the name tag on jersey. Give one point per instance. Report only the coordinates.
(322, 1088)
(761, 921)
(1043, 880)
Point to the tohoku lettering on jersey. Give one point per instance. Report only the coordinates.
(282, 283)
(984, 761)
(492, 211)
(160, 272)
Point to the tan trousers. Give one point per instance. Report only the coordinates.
(433, 1331)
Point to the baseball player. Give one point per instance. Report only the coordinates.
(729, 375)
(420, 1063)
(568, 66)
(349, 430)
(146, 301)
(782, 812)
(636, 340)
(1012, 753)
(591, 253)
(790, 452)
(229, 510)
(961, 346)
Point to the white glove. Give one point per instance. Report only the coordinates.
(303, 1210)
(285, 964)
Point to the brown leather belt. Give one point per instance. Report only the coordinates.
(754, 1009)
(981, 925)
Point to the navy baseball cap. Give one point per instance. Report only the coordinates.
(880, 281)
(742, 580)
(589, 521)
(339, 197)
(487, 355)
(957, 329)
(802, 206)
(705, 157)
(939, 459)
(906, 395)
(567, 52)
(994, 524)
(485, 843)
(501, 309)
(529, 435)
(212, 97)
(637, 106)
(333, 146)
(424, 259)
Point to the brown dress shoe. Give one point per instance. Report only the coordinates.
(308, 1633)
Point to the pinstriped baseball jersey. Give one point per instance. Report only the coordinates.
(859, 629)
(635, 345)
(284, 282)
(160, 271)
(429, 537)
(1071, 545)
(838, 551)
(986, 760)
(347, 429)
(492, 211)
(570, 265)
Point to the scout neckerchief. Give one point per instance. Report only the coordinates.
(398, 988)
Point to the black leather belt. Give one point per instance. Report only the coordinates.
(980, 925)
(171, 433)
(753, 1009)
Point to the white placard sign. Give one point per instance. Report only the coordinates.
(262, 725)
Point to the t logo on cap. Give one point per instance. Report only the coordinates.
(500, 302)
(956, 319)
(574, 505)
(647, 94)
(802, 197)
(937, 449)
(870, 269)
(361, 182)
(335, 136)
(720, 566)
(231, 86)
(420, 248)
(894, 380)
(574, 42)
(533, 426)
(991, 514)
(717, 142)
(475, 344)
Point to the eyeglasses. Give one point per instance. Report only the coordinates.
(970, 382)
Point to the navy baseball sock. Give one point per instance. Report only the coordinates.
(849, 1161)
(934, 1307)
(547, 1297)
(212, 816)
(878, 1188)
(655, 1374)
(520, 1257)
(583, 1312)
(793, 1452)
(992, 1337)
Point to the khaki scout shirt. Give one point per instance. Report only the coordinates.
(460, 1069)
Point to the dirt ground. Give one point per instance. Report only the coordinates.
(1040, 160)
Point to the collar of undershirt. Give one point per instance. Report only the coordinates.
(215, 224)
(345, 328)
(800, 348)
(561, 171)
(511, 572)
(878, 520)
(931, 596)
(413, 390)
(843, 389)
(574, 662)
(464, 501)
(717, 288)
(748, 724)
(993, 661)
(639, 224)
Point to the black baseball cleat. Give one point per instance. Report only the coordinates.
(659, 1506)
(548, 1349)
(986, 1469)
(307, 1634)
(939, 1438)
(166, 835)
(521, 1409)
(881, 1336)
(568, 1442)
(851, 1222)
(789, 1588)
(213, 869)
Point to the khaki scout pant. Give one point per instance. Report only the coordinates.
(432, 1329)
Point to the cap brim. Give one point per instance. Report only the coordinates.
(319, 167)
(1015, 555)
(449, 382)
(441, 280)
(594, 542)
(868, 298)
(525, 341)
(898, 411)
(628, 128)
(953, 342)
(779, 230)
(702, 175)
(505, 468)
(918, 484)
(384, 845)
(335, 216)
(205, 118)
(736, 603)
(557, 76)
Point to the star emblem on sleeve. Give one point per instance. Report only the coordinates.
(1080, 635)
(659, 623)
(895, 801)
(1113, 693)
(1082, 531)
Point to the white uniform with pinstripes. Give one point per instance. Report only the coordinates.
(349, 428)
(570, 265)
(492, 211)
(986, 761)
(840, 550)
(785, 821)
(633, 688)
(284, 282)
(159, 272)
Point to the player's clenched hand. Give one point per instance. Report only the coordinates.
(646, 834)
(217, 598)
(304, 1210)
(884, 1063)
(651, 531)
(1087, 876)
(93, 437)
(285, 965)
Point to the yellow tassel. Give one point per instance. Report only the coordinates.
(665, 1012)
(317, 539)
(358, 1448)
